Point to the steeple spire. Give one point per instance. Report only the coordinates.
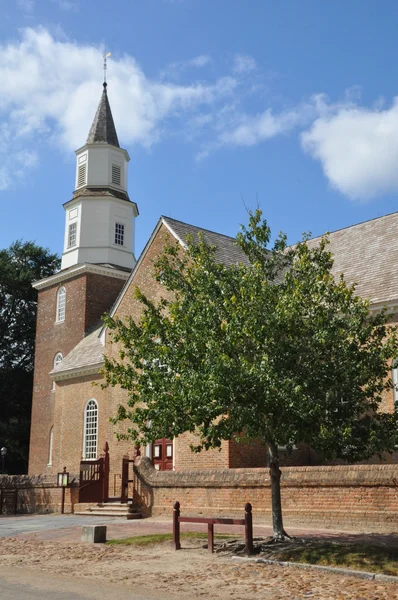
(103, 129)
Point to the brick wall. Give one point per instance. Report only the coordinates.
(71, 398)
(186, 460)
(242, 454)
(88, 296)
(356, 497)
(40, 494)
(101, 293)
(52, 337)
(346, 497)
(387, 403)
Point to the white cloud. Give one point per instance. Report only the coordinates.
(233, 128)
(255, 129)
(175, 69)
(67, 4)
(15, 161)
(199, 61)
(27, 6)
(51, 89)
(357, 148)
(243, 63)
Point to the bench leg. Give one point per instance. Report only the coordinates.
(210, 538)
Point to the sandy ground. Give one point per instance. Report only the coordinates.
(190, 572)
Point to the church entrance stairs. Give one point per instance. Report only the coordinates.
(113, 508)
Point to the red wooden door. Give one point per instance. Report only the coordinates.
(162, 455)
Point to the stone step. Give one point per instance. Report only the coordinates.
(98, 512)
(125, 507)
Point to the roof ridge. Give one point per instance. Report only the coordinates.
(199, 228)
(354, 225)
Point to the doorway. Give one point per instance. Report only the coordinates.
(162, 454)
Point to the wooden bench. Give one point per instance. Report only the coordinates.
(247, 522)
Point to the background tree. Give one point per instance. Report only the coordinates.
(20, 265)
(274, 348)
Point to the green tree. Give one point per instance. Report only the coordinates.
(20, 265)
(274, 348)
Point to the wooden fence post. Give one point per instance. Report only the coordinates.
(248, 529)
(125, 479)
(176, 527)
(210, 537)
(105, 486)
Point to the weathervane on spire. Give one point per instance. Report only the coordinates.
(105, 66)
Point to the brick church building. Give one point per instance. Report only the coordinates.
(70, 412)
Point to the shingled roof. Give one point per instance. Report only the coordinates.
(227, 252)
(103, 129)
(101, 191)
(89, 352)
(367, 254)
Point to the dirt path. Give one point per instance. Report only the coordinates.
(192, 571)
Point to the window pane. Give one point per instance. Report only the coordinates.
(50, 447)
(72, 235)
(58, 358)
(91, 430)
(119, 234)
(61, 304)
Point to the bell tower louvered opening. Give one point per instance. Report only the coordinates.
(81, 175)
(116, 174)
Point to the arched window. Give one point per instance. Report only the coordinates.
(50, 447)
(90, 430)
(395, 381)
(61, 305)
(57, 359)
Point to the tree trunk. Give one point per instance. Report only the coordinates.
(275, 474)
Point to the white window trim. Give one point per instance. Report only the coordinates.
(118, 233)
(85, 431)
(50, 447)
(394, 376)
(62, 290)
(57, 359)
(70, 227)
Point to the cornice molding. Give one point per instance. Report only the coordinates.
(80, 270)
(390, 305)
(77, 372)
(103, 145)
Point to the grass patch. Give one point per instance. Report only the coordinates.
(160, 538)
(353, 556)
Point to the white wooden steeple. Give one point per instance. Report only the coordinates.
(99, 220)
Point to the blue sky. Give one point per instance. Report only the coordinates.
(222, 105)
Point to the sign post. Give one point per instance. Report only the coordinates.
(63, 482)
